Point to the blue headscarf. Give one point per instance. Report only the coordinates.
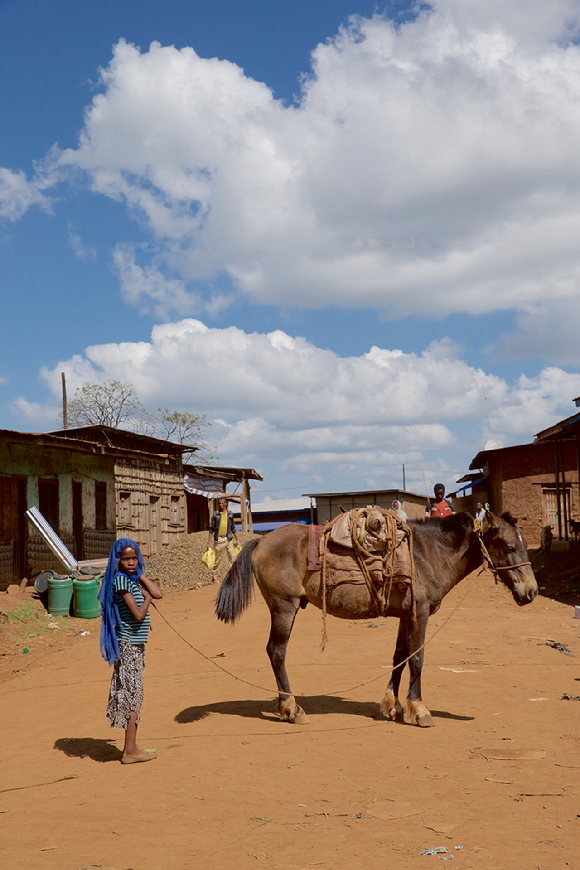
(111, 618)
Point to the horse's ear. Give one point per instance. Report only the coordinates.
(507, 516)
(488, 523)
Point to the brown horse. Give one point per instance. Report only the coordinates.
(445, 552)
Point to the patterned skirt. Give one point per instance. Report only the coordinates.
(127, 683)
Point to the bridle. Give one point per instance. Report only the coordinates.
(487, 560)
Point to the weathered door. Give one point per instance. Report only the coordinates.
(77, 506)
(153, 524)
(550, 506)
(12, 527)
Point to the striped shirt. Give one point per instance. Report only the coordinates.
(131, 630)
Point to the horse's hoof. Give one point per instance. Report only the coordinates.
(301, 719)
(394, 714)
(416, 713)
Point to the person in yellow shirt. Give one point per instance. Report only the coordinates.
(222, 533)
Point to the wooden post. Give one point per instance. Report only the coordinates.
(578, 468)
(564, 488)
(249, 521)
(243, 511)
(557, 476)
(64, 402)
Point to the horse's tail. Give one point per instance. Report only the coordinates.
(235, 593)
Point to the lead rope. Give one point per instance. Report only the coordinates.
(339, 691)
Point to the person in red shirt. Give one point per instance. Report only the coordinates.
(440, 506)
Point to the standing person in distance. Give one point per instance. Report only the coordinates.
(480, 512)
(125, 596)
(396, 505)
(222, 533)
(440, 506)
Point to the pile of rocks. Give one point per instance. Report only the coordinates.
(179, 564)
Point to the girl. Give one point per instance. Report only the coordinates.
(125, 596)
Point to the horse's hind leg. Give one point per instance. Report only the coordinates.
(282, 622)
(390, 705)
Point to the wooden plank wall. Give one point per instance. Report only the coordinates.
(145, 480)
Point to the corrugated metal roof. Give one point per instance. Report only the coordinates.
(106, 434)
(223, 471)
(279, 506)
(391, 493)
(282, 504)
(559, 428)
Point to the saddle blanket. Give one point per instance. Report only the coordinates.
(341, 537)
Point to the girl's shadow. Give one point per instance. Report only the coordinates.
(88, 747)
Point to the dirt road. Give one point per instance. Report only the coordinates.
(235, 788)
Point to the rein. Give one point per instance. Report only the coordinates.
(487, 560)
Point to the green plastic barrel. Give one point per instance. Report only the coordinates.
(60, 593)
(86, 603)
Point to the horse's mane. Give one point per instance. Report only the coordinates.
(452, 528)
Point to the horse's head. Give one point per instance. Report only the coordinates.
(507, 546)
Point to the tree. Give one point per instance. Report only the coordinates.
(186, 429)
(116, 404)
(111, 403)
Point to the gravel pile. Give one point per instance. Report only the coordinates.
(179, 565)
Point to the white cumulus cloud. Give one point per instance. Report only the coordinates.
(431, 168)
(281, 404)
(18, 194)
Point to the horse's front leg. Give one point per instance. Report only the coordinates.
(416, 713)
(390, 705)
(283, 617)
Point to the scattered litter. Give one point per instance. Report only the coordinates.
(561, 647)
(52, 625)
(458, 847)
(81, 633)
(25, 650)
(538, 699)
(48, 615)
(567, 697)
(373, 625)
(440, 850)
(458, 670)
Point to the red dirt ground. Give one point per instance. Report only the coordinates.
(235, 788)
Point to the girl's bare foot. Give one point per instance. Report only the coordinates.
(138, 756)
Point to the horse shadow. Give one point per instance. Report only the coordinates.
(315, 705)
(88, 747)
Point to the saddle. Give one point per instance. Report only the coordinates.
(368, 546)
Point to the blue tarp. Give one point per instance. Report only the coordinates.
(268, 527)
(469, 485)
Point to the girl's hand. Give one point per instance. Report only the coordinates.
(151, 587)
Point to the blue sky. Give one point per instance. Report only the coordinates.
(346, 232)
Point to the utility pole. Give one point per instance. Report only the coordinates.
(404, 487)
(64, 404)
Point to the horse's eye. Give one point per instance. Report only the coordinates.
(511, 549)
